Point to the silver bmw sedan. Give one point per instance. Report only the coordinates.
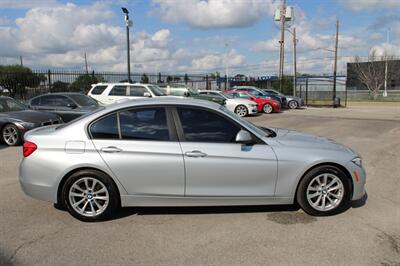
(182, 152)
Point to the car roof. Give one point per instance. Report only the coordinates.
(210, 91)
(164, 100)
(6, 97)
(120, 83)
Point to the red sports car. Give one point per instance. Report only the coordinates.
(264, 105)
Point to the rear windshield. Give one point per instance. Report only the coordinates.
(98, 89)
(156, 90)
(83, 100)
(80, 117)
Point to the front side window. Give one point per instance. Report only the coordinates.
(144, 124)
(205, 126)
(118, 91)
(105, 128)
(137, 91)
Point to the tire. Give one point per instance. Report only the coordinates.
(336, 196)
(97, 203)
(11, 135)
(267, 108)
(241, 110)
(293, 104)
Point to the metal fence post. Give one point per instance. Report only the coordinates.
(306, 91)
(49, 79)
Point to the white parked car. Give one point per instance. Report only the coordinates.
(241, 107)
(108, 93)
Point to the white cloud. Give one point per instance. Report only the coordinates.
(359, 5)
(26, 4)
(213, 13)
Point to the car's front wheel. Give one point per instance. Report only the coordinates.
(325, 190)
(267, 108)
(11, 135)
(90, 196)
(293, 104)
(241, 110)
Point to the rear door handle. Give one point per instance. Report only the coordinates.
(111, 149)
(195, 154)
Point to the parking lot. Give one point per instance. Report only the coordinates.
(34, 232)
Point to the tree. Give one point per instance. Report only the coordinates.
(145, 79)
(287, 85)
(169, 79)
(372, 72)
(59, 86)
(177, 78)
(83, 82)
(16, 78)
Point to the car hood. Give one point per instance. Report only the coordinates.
(304, 140)
(30, 116)
(241, 101)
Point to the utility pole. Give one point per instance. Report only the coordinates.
(294, 61)
(226, 64)
(282, 43)
(335, 64)
(386, 64)
(20, 60)
(128, 24)
(86, 67)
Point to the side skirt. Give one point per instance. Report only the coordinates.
(147, 201)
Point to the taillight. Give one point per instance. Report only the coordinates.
(29, 148)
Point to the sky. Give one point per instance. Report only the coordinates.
(194, 36)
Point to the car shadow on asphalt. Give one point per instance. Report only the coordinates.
(3, 146)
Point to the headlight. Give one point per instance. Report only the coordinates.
(357, 161)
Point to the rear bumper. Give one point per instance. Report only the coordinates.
(39, 192)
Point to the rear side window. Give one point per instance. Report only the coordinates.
(61, 101)
(118, 91)
(205, 126)
(97, 90)
(144, 124)
(137, 91)
(105, 128)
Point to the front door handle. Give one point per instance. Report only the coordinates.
(195, 154)
(111, 149)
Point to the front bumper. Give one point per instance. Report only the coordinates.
(252, 109)
(359, 177)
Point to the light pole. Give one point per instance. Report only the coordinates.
(294, 58)
(386, 64)
(128, 24)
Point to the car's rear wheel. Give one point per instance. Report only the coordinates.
(267, 108)
(241, 110)
(293, 104)
(325, 190)
(11, 135)
(90, 196)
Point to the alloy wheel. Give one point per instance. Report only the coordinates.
(325, 192)
(293, 104)
(241, 110)
(267, 108)
(88, 196)
(10, 135)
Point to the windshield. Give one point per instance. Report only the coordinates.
(11, 105)
(83, 100)
(156, 90)
(259, 130)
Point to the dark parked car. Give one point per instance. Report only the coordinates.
(293, 102)
(16, 119)
(67, 105)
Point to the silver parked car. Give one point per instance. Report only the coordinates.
(184, 152)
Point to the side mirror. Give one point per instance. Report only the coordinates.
(147, 94)
(243, 137)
